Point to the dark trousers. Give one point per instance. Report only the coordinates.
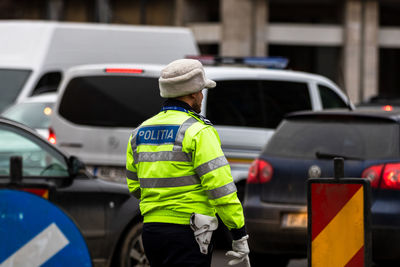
(173, 245)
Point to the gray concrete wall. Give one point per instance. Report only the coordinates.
(236, 27)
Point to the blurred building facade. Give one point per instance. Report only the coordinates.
(356, 43)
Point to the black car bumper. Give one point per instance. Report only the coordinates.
(268, 233)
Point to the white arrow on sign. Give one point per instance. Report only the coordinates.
(40, 249)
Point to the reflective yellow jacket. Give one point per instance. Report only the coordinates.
(175, 166)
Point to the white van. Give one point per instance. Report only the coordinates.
(35, 54)
(100, 105)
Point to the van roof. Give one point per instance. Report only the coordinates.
(25, 44)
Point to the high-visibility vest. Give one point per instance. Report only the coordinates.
(175, 166)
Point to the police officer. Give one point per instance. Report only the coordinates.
(176, 167)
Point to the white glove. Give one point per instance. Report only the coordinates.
(240, 252)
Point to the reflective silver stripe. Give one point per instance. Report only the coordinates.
(133, 140)
(131, 175)
(181, 133)
(211, 165)
(169, 182)
(133, 145)
(221, 191)
(164, 156)
(135, 156)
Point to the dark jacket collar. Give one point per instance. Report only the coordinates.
(177, 103)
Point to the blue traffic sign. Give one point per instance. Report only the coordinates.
(34, 232)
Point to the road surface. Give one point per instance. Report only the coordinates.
(220, 260)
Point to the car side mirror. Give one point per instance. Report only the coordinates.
(76, 166)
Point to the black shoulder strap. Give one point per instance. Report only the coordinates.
(202, 118)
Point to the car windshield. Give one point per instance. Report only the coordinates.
(34, 115)
(328, 139)
(12, 82)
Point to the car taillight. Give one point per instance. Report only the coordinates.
(121, 70)
(389, 172)
(391, 176)
(260, 172)
(52, 136)
(387, 108)
(373, 173)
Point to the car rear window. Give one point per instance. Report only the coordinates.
(114, 101)
(349, 139)
(255, 103)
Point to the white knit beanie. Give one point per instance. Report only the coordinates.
(183, 77)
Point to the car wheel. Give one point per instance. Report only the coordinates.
(258, 260)
(132, 251)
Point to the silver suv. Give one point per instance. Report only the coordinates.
(100, 105)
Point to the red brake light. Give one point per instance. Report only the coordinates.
(373, 173)
(112, 70)
(391, 176)
(52, 136)
(387, 108)
(260, 172)
(389, 172)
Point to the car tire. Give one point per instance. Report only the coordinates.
(258, 260)
(132, 251)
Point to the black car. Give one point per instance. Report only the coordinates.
(303, 147)
(105, 212)
(387, 103)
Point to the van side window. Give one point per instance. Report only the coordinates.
(113, 101)
(12, 82)
(255, 103)
(329, 98)
(48, 83)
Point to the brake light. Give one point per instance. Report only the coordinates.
(387, 108)
(389, 172)
(260, 172)
(113, 70)
(391, 176)
(52, 136)
(373, 173)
